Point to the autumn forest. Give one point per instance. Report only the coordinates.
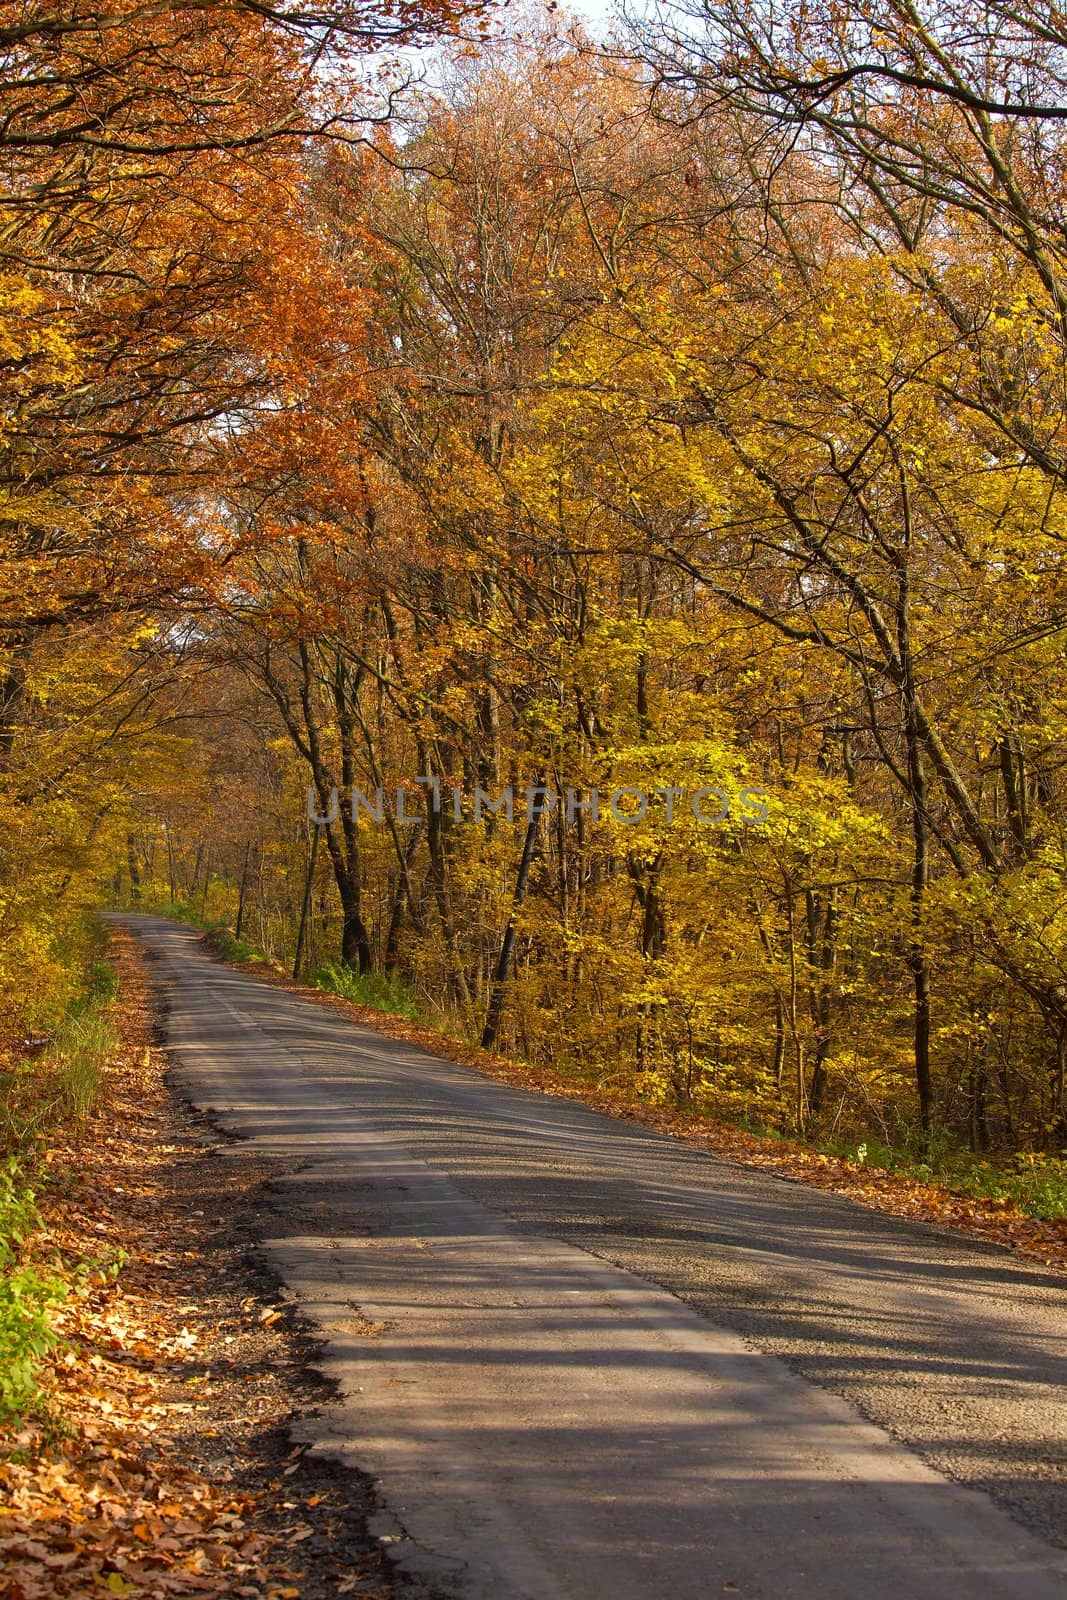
(406, 409)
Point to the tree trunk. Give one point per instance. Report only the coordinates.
(305, 907)
(242, 892)
(507, 944)
(915, 739)
(133, 868)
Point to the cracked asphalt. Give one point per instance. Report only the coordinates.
(581, 1359)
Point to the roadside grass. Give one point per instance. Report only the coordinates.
(52, 1090)
(58, 1083)
(1033, 1183)
(374, 989)
(219, 935)
(179, 910)
(232, 949)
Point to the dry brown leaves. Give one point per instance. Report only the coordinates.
(118, 1503)
(996, 1221)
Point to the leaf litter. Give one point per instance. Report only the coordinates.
(163, 1465)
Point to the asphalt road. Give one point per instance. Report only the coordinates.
(582, 1360)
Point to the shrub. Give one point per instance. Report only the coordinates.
(27, 1293)
(374, 989)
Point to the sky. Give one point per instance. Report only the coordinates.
(599, 17)
(598, 14)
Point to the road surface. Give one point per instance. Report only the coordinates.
(585, 1362)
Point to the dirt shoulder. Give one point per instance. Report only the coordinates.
(171, 1472)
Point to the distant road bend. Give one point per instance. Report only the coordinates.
(607, 1366)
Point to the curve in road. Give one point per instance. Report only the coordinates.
(581, 1359)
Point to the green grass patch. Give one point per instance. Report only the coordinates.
(374, 989)
(59, 1087)
(233, 949)
(176, 910)
(54, 1087)
(1036, 1184)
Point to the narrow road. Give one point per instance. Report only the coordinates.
(584, 1362)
